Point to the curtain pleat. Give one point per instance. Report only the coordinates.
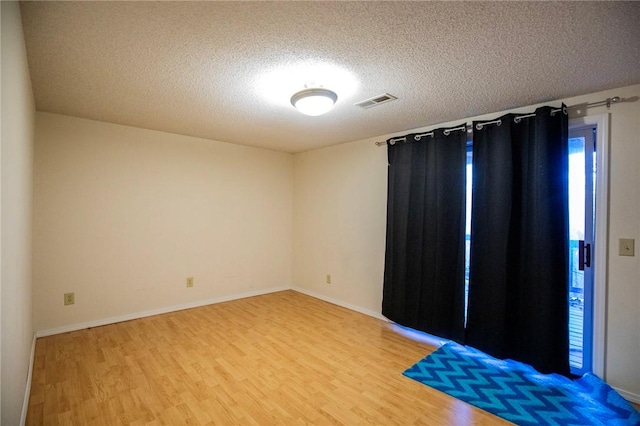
(424, 261)
(518, 284)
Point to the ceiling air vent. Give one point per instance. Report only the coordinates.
(376, 100)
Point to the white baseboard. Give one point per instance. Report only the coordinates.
(143, 314)
(629, 396)
(411, 334)
(27, 389)
(340, 303)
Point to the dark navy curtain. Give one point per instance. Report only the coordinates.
(518, 291)
(424, 261)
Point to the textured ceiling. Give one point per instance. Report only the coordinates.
(226, 70)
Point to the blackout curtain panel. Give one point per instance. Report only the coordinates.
(518, 287)
(424, 260)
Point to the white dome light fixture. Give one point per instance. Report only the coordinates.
(314, 102)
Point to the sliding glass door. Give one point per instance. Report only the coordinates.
(582, 177)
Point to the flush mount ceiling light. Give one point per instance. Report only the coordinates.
(316, 101)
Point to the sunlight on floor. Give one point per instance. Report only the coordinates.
(418, 335)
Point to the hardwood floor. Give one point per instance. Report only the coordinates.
(281, 358)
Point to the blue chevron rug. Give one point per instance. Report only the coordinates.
(518, 393)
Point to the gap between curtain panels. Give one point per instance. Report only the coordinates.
(469, 127)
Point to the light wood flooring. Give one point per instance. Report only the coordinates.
(281, 358)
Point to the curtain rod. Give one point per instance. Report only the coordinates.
(468, 126)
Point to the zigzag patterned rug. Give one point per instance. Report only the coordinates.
(518, 393)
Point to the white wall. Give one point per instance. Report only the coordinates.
(340, 217)
(340, 198)
(122, 216)
(16, 171)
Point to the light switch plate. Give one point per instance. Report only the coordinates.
(626, 247)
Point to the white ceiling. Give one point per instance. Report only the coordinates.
(226, 70)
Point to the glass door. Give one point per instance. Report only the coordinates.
(582, 176)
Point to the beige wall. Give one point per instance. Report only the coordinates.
(623, 307)
(340, 198)
(122, 216)
(16, 330)
(340, 217)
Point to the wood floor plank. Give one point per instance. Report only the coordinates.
(282, 358)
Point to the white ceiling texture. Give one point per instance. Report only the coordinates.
(227, 70)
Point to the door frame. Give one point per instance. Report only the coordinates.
(601, 236)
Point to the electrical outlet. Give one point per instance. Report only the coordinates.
(328, 279)
(626, 247)
(189, 282)
(69, 298)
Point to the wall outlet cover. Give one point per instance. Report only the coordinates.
(69, 298)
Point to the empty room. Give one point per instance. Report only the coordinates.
(319, 213)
